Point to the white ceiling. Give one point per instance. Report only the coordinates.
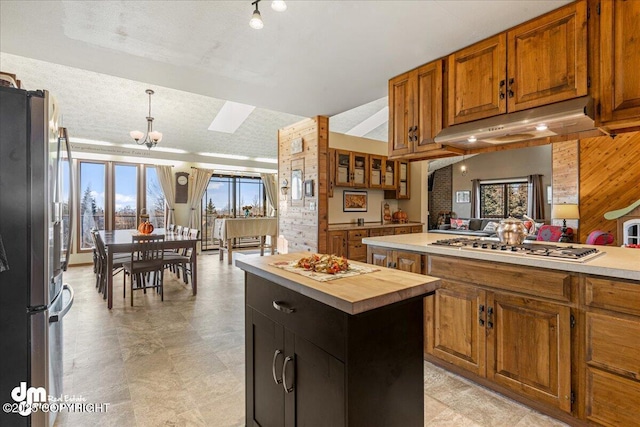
(318, 57)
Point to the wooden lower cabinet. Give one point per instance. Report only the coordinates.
(405, 261)
(529, 348)
(337, 244)
(612, 351)
(516, 342)
(455, 326)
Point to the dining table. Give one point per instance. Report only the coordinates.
(227, 229)
(121, 241)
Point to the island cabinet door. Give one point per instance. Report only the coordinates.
(455, 326)
(528, 348)
(315, 385)
(265, 394)
(379, 256)
(407, 261)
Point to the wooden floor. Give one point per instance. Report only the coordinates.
(181, 361)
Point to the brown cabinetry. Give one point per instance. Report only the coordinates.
(352, 169)
(537, 63)
(619, 64)
(337, 244)
(357, 251)
(517, 342)
(415, 110)
(406, 261)
(612, 351)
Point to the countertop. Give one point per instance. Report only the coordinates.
(352, 295)
(368, 225)
(616, 262)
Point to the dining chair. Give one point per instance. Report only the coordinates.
(101, 263)
(147, 258)
(171, 227)
(178, 229)
(182, 261)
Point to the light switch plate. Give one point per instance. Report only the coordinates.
(312, 206)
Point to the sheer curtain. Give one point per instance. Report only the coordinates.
(199, 181)
(270, 181)
(165, 176)
(535, 208)
(475, 198)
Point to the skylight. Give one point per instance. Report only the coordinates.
(371, 123)
(230, 117)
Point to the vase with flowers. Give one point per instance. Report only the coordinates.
(247, 210)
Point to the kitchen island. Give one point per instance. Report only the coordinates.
(336, 353)
(560, 336)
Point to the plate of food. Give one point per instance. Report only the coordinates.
(323, 267)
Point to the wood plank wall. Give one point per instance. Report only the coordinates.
(609, 179)
(566, 177)
(304, 229)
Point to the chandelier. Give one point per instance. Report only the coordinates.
(152, 137)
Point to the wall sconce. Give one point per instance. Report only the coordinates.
(284, 188)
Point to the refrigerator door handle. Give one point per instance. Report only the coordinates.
(63, 135)
(56, 317)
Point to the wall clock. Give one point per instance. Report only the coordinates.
(182, 187)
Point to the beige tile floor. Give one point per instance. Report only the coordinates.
(181, 362)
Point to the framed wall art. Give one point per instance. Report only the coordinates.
(463, 196)
(354, 201)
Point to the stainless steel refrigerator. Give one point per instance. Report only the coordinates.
(36, 238)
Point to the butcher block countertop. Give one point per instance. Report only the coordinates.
(352, 295)
(615, 262)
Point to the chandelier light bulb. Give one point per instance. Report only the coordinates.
(136, 134)
(278, 5)
(256, 20)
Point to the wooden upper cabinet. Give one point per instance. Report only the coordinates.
(547, 58)
(476, 78)
(415, 110)
(402, 96)
(537, 63)
(619, 63)
(429, 104)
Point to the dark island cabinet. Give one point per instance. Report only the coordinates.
(309, 364)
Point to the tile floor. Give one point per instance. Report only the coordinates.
(181, 362)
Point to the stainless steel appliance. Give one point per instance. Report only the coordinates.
(560, 253)
(36, 237)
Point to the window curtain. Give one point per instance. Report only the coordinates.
(535, 206)
(475, 198)
(165, 176)
(199, 181)
(270, 188)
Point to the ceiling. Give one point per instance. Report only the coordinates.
(316, 58)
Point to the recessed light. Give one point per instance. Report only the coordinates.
(472, 139)
(541, 127)
(278, 5)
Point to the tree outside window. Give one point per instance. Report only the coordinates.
(503, 199)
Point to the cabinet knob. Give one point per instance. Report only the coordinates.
(284, 375)
(480, 313)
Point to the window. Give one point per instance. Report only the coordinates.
(225, 196)
(126, 197)
(503, 199)
(92, 202)
(111, 196)
(154, 198)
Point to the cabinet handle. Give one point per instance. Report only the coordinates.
(273, 367)
(501, 90)
(282, 308)
(490, 318)
(284, 375)
(480, 312)
(510, 90)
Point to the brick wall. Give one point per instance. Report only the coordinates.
(440, 198)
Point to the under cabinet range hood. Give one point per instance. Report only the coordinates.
(575, 115)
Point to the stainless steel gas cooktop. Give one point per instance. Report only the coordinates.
(560, 253)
